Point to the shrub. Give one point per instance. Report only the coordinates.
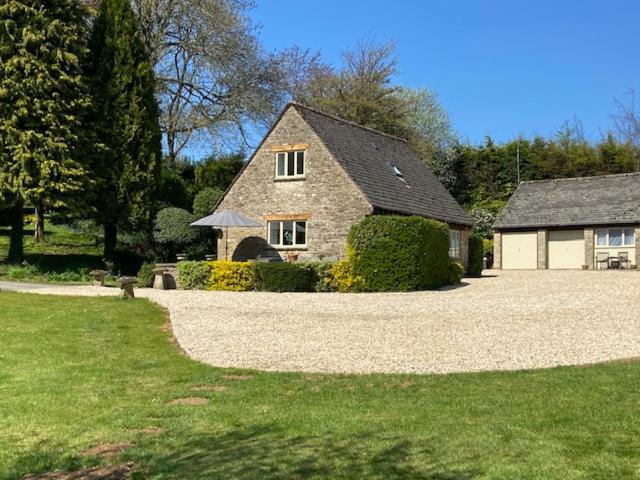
(284, 277)
(172, 225)
(343, 280)
(21, 272)
(145, 275)
(81, 275)
(172, 230)
(322, 274)
(436, 259)
(205, 200)
(231, 276)
(456, 271)
(487, 245)
(194, 275)
(476, 255)
(399, 253)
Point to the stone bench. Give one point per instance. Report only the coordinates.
(98, 277)
(158, 279)
(170, 275)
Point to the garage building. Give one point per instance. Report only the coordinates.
(573, 223)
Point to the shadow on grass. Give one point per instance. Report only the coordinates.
(264, 452)
(63, 262)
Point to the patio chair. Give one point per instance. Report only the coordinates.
(623, 259)
(602, 258)
(614, 263)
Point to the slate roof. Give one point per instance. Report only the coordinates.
(607, 199)
(369, 156)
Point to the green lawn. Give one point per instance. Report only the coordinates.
(64, 256)
(79, 372)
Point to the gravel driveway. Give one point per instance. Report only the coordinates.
(513, 320)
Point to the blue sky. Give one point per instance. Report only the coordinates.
(500, 68)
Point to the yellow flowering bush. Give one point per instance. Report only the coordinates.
(231, 276)
(342, 278)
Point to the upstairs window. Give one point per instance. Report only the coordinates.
(290, 164)
(454, 243)
(287, 233)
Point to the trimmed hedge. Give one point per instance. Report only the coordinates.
(341, 278)
(231, 276)
(456, 271)
(145, 275)
(284, 277)
(476, 255)
(399, 253)
(194, 275)
(322, 274)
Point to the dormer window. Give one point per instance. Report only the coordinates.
(290, 164)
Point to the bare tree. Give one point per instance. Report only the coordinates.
(212, 74)
(627, 123)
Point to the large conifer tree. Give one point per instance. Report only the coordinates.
(126, 122)
(42, 100)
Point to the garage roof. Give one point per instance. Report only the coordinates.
(602, 200)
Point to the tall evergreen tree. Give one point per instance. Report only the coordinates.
(126, 123)
(42, 100)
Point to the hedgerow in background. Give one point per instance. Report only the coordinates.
(231, 276)
(284, 277)
(194, 275)
(476, 255)
(205, 200)
(399, 253)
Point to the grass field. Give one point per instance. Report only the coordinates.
(78, 373)
(64, 256)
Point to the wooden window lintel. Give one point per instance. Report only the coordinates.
(285, 217)
(288, 147)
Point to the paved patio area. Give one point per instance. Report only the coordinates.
(511, 320)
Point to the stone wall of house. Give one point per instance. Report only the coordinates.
(330, 199)
(589, 248)
(497, 250)
(464, 247)
(637, 237)
(543, 251)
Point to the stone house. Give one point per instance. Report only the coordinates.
(573, 223)
(314, 175)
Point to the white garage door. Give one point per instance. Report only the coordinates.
(566, 249)
(520, 250)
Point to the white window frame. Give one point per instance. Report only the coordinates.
(623, 243)
(280, 244)
(455, 243)
(295, 175)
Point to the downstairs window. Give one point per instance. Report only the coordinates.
(454, 243)
(287, 233)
